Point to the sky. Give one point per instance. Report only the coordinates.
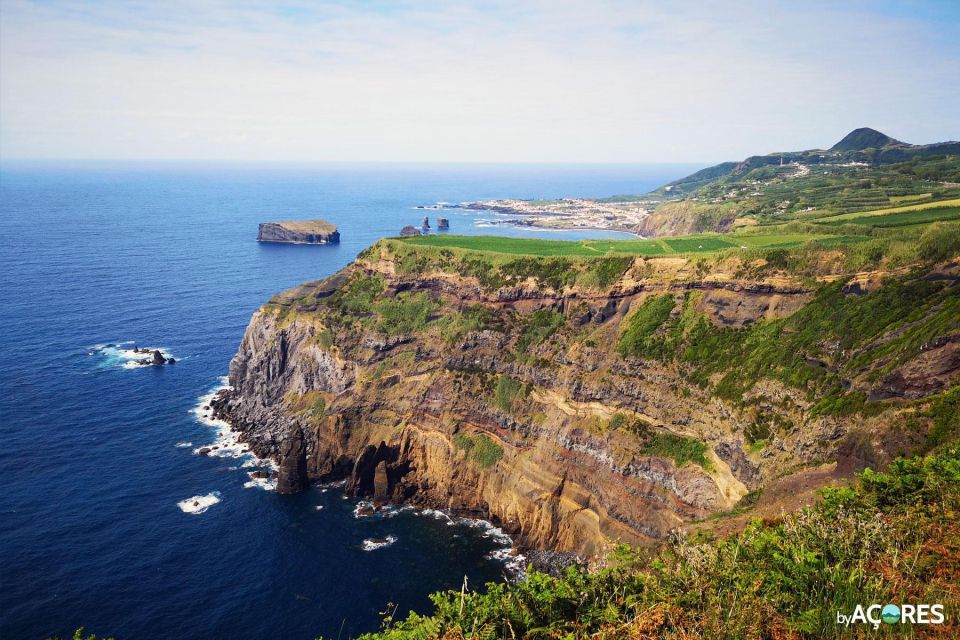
(512, 81)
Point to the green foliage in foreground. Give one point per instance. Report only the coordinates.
(480, 448)
(893, 538)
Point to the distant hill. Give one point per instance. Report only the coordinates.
(865, 138)
(863, 145)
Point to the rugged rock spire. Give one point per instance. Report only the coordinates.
(292, 475)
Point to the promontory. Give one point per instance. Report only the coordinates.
(299, 232)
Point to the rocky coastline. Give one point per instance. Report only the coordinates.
(547, 440)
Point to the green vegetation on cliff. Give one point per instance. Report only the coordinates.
(894, 537)
(479, 448)
(833, 339)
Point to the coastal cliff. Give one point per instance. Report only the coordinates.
(580, 402)
(299, 232)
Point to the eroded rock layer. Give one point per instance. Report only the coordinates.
(524, 403)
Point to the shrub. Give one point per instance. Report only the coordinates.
(617, 421)
(407, 313)
(505, 392)
(358, 296)
(678, 448)
(539, 326)
(485, 451)
(940, 241)
(555, 273)
(636, 340)
(325, 338)
(480, 448)
(608, 270)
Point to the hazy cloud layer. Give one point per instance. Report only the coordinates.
(490, 81)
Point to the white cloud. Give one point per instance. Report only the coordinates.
(538, 81)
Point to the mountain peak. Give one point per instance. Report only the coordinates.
(864, 138)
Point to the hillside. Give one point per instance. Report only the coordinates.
(862, 155)
(866, 170)
(865, 138)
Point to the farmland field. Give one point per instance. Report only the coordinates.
(918, 216)
(595, 248)
(846, 217)
(697, 243)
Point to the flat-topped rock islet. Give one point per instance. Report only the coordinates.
(299, 232)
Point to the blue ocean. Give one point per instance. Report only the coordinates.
(98, 526)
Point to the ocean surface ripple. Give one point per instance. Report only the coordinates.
(109, 518)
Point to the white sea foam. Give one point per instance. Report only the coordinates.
(391, 510)
(437, 515)
(363, 509)
(372, 544)
(513, 563)
(227, 442)
(490, 531)
(319, 507)
(199, 504)
(268, 484)
(122, 355)
(184, 445)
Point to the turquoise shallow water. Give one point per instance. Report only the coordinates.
(164, 255)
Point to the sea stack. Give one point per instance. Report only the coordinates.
(299, 232)
(408, 231)
(443, 224)
(426, 223)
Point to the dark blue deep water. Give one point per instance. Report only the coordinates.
(165, 256)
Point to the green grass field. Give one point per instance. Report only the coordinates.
(887, 211)
(917, 216)
(595, 248)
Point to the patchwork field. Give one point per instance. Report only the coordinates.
(886, 211)
(901, 219)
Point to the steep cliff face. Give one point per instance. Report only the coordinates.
(556, 409)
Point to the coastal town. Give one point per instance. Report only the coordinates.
(567, 213)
